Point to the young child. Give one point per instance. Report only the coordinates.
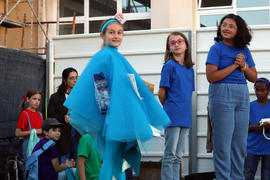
(258, 148)
(131, 110)
(29, 116)
(89, 160)
(48, 162)
(175, 92)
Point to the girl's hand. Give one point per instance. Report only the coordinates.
(39, 131)
(266, 124)
(67, 119)
(70, 163)
(240, 60)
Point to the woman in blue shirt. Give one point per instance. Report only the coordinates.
(229, 64)
(175, 92)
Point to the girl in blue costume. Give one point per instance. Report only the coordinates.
(129, 116)
(175, 93)
(229, 64)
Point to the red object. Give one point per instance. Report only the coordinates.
(35, 120)
(179, 41)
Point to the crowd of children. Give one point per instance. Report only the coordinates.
(110, 139)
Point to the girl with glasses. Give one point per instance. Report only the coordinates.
(229, 64)
(175, 92)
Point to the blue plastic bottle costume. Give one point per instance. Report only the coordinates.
(128, 118)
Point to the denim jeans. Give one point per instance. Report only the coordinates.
(174, 149)
(63, 158)
(72, 154)
(74, 144)
(251, 164)
(24, 148)
(62, 174)
(229, 116)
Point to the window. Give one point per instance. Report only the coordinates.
(137, 25)
(91, 13)
(102, 8)
(252, 3)
(255, 12)
(255, 17)
(68, 7)
(94, 26)
(131, 6)
(210, 20)
(67, 29)
(211, 3)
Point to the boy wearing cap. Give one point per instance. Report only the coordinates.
(48, 161)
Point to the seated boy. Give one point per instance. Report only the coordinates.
(48, 162)
(89, 160)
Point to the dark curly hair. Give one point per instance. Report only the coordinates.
(243, 35)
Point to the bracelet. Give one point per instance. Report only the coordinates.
(245, 67)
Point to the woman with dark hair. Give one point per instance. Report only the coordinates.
(228, 65)
(67, 144)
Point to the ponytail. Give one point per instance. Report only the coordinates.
(22, 105)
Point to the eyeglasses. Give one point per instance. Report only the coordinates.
(230, 26)
(73, 78)
(179, 41)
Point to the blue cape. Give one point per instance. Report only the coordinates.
(128, 118)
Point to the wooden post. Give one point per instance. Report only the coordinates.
(23, 30)
(73, 22)
(46, 41)
(6, 30)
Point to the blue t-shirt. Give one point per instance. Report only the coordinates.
(256, 143)
(45, 167)
(180, 83)
(222, 56)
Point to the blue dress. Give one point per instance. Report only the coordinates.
(128, 118)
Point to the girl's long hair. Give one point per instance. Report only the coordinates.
(23, 104)
(63, 87)
(168, 55)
